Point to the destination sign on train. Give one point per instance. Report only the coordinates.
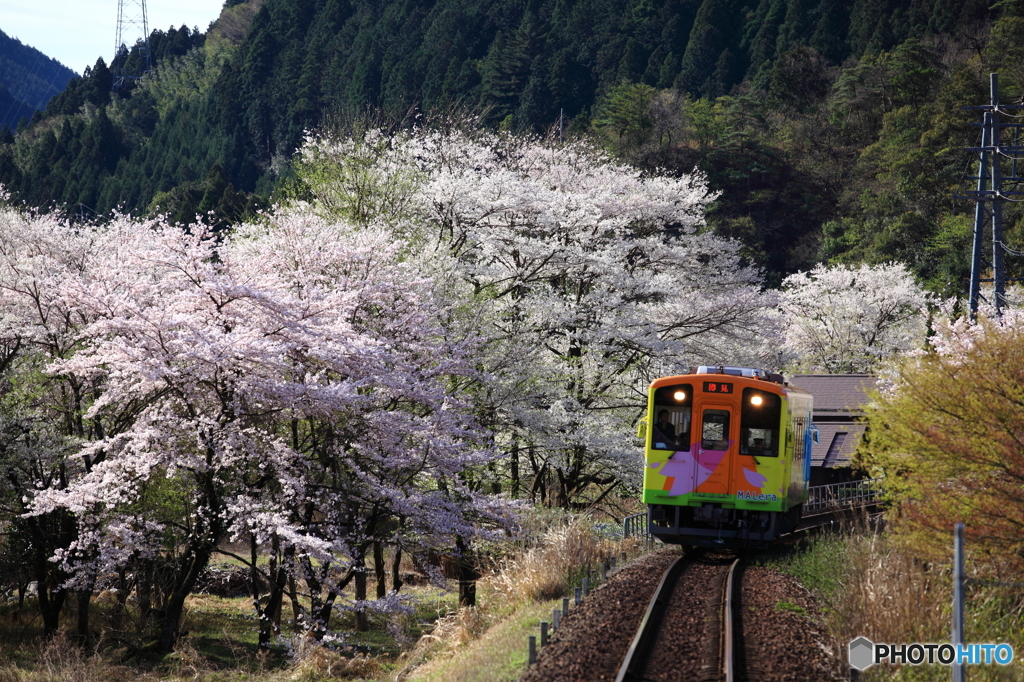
(717, 387)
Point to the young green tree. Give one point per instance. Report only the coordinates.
(948, 438)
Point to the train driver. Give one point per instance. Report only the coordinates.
(666, 430)
(665, 437)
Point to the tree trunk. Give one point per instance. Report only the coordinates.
(467, 592)
(293, 596)
(270, 615)
(124, 588)
(144, 586)
(170, 620)
(396, 567)
(379, 569)
(82, 626)
(279, 582)
(514, 470)
(323, 614)
(50, 606)
(48, 532)
(320, 610)
(467, 573)
(495, 478)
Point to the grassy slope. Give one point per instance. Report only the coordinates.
(499, 654)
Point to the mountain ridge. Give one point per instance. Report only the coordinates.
(28, 79)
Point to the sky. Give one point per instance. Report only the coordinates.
(76, 32)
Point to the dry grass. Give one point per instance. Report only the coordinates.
(461, 627)
(879, 587)
(314, 662)
(61, 660)
(547, 571)
(510, 600)
(496, 655)
(890, 596)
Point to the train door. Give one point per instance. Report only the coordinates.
(712, 473)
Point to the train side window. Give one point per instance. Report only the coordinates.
(714, 431)
(760, 418)
(671, 417)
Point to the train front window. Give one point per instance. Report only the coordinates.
(714, 432)
(672, 414)
(759, 423)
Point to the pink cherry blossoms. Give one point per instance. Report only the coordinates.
(288, 385)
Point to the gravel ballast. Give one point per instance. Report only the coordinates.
(784, 636)
(687, 644)
(595, 636)
(783, 632)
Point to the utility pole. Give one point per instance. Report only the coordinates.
(131, 24)
(993, 188)
(957, 640)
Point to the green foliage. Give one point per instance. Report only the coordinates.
(710, 64)
(1005, 54)
(28, 78)
(791, 607)
(947, 439)
(214, 201)
(798, 80)
(626, 117)
(186, 79)
(878, 84)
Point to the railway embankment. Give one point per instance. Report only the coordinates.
(781, 634)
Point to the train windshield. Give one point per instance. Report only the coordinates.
(672, 415)
(759, 423)
(714, 432)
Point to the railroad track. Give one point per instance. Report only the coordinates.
(688, 630)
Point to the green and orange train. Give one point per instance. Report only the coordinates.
(728, 456)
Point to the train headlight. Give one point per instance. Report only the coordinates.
(756, 400)
(679, 395)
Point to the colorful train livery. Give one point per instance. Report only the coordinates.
(728, 454)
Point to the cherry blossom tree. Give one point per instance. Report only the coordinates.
(43, 417)
(584, 276)
(353, 372)
(845, 319)
(290, 392)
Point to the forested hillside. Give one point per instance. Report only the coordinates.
(833, 131)
(28, 79)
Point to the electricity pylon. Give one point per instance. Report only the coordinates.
(994, 188)
(131, 24)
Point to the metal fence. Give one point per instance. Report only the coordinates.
(822, 499)
(636, 525)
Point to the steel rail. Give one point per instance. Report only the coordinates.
(635, 661)
(639, 649)
(728, 665)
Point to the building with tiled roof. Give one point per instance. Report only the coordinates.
(839, 401)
